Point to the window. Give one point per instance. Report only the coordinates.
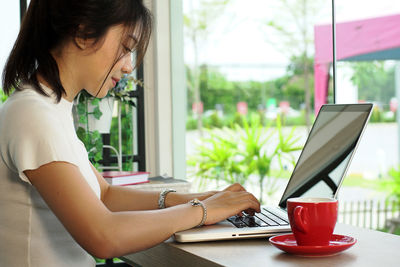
(9, 26)
(368, 46)
(262, 58)
(247, 59)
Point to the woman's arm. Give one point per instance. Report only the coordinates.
(107, 234)
(122, 198)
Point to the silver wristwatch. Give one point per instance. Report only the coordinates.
(197, 203)
(161, 198)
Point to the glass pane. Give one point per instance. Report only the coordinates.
(9, 27)
(250, 61)
(368, 52)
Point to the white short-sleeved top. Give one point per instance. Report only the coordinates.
(36, 130)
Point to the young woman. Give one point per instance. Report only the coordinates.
(56, 209)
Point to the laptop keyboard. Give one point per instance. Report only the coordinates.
(267, 217)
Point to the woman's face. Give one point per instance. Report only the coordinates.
(114, 52)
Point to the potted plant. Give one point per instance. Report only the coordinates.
(93, 116)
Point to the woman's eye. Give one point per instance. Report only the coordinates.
(127, 49)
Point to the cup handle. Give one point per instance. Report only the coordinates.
(299, 222)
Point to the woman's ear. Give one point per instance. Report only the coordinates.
(80, 42)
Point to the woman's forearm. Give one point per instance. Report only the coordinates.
(122, 198)
(134, 231)
(130, 232)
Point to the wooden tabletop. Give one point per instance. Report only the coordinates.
(373, 248)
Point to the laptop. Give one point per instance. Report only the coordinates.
(319, 172)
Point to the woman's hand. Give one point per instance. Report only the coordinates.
(227, 203)
(174, 199)
(233, 200)
(235, 188)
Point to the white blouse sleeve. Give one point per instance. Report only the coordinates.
(38, 140)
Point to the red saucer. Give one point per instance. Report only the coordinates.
(288, 244)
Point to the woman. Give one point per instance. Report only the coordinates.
(56, 209)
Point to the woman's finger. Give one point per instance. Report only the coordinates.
(235, 188)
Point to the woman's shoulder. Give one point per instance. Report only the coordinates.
(27, 109)
(28, 93)
(27, 103)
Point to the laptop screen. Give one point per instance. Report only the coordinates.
(327, 152)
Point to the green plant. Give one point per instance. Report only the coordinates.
(259, 159)
(215, 120)
(191, 123)
(374, 80)
(232, 155)
(238, 119)
(392, 184)
(3, 96)
(216, 158)
(126, 134)
(254, 137)
(121, 91)
(376, 115)
(92, 139)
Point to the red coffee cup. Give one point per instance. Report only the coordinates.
(312, 220)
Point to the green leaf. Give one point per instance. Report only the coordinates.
(81, 109)
(83, 119)
(81, 133)
(97, 113)
(95, 101)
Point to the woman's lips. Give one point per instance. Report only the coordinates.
(115, 81)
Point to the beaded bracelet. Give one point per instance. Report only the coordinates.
(197, 203)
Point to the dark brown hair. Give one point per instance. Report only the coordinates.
(49, 23)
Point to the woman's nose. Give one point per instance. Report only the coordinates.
(127, 67)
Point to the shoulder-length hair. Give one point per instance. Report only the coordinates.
(49, 23)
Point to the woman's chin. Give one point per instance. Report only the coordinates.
(102, 94)
(95, 93)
